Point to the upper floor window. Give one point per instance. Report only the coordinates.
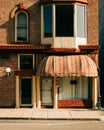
(21, 28)
(81, 21)
(67, 20)
(48, 21)
(64, 20)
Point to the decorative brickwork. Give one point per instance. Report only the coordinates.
(92, 22)
(50, 1)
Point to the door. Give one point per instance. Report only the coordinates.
(25, 92)
(47, 92)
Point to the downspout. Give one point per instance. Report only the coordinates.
(99, 95)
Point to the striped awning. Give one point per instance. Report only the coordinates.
(74, 65)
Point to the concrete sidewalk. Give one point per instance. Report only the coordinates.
(62, 114)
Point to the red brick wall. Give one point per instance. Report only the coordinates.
(7, 23)
(7, 84)
(74, 103)
(92, 21)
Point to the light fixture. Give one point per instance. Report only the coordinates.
(73, 81)
(8, 71)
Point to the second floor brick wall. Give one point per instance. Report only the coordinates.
(92, 21)
(7, 24)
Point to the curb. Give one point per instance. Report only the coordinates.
(27, 118)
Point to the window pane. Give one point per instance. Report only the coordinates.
(81, 21)
(21, 20)
(68, 91)
(21, 27)
(21, 34)
(26, 62)
(47, 21)
(26, 95)
(64, 20)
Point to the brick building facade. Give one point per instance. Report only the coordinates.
(22, 54)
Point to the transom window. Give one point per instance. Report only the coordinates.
(26, 61)
(21, 29)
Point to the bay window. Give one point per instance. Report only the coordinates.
(69, 20)
(64, 20)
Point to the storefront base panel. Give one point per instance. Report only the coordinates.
(74, 103)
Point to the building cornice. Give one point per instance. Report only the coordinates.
(38, 48)
(22, 47)
(53, 1)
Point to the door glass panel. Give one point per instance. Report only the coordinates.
(47, 91)
(26, 90)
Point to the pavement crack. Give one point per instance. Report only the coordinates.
(32, 113)
(70, 114)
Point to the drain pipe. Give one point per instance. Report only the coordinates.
(99, 95)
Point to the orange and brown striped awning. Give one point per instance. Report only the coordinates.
(73, 65)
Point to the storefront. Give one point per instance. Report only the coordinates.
(68, 81)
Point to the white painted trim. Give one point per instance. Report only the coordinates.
(94, 92)
(17, 92)
(38, 93)
(63, 42)
(34, 91)
(55, 94)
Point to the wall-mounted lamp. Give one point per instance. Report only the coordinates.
(73, 81)
(8, 71)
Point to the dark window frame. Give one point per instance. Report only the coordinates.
(25, 62)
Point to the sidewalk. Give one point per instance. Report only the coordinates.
(62, 114)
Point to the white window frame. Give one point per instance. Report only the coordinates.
(21, 11)
(75, 17)
(54, 17)
(63, 42)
